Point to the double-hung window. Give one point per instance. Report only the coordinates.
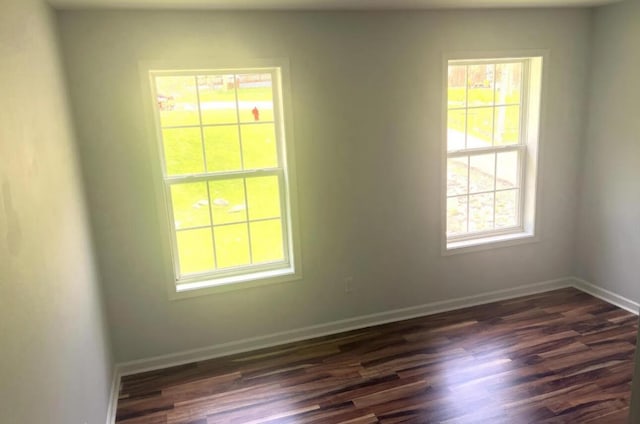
(491, 144)
(222, 146)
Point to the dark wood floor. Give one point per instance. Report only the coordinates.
(557, 357)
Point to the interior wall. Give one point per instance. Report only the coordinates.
(55, 364)
(366, 90)
(608, 240)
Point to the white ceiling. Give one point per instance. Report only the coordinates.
(320, 4)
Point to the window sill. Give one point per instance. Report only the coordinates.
(236, 282)
(490, 242)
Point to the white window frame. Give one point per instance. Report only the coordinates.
(243, 276)
(533, 85)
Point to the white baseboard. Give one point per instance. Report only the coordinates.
(180, 358)
(606, 295)
(113, 396)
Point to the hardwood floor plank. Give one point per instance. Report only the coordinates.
(556, 357)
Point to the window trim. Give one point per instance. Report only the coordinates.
(240, 277)
(533, 114)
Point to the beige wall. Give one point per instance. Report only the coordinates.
(608, 243)
(55, 365)
(366, 91)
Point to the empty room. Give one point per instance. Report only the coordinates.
(319, 211)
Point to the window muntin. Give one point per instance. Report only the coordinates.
(486, 147)
(221, 136)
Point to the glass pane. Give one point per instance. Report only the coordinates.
(266, 241)
(456, 129)
(259, 146)
(263, 196)
(456, 215)
(481, 85)
(177, 101)
(507, 208)
(507, 170)
(228, 201)
(481, 212)
(217, 99)
(457, 77)
(190, 205)
(232, 245)
(183, 151)
(479, 127)
(195, 250)
(481, 172)
(457, 175)
(255, 97)
(508, 83)
(507, 125)
(222, 147)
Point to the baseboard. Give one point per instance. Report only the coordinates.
(606, 295)
(113, 396)
(180, 358)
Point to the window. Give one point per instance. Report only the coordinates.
(491, 144)
(224, 173)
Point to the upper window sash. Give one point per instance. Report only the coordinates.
(494, 104)
(277, 120)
